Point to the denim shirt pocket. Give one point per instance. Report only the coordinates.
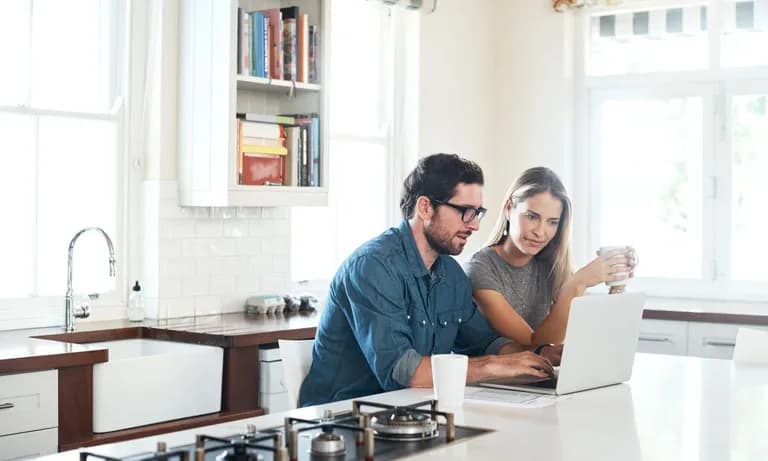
(447, 329)
(421, 331)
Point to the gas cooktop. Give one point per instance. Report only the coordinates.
(371, 431)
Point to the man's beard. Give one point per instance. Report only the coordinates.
(440, 245)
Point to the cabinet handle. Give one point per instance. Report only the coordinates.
(655, 339)
(6, 406)
(719, 342)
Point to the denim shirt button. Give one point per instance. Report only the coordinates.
(409, 317)
(445, 323)
(459, 319)
(423, 322)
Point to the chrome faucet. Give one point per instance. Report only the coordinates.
(81, 312)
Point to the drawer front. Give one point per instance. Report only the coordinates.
(274, 403)
(28, 445)
(271, 380)
(663, 337)
(713, 340)
(29, 401)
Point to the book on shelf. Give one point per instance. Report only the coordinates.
(290, 18)
(277, 43)
(293, 138)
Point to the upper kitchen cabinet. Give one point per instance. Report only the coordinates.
(253, 105)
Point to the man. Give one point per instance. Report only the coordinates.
(400, 298)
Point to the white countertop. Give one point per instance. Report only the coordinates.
(674, 408)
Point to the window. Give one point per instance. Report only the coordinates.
(61, 144)
(678, 142)
(362, 164)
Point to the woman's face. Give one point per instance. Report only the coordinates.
(533, 222)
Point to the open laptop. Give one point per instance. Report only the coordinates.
(600, 344)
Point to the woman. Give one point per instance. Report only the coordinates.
(522, 280)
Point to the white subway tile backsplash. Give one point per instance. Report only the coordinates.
(249, 212)
(195, 248)
(276, 246)
(178, 307)
(249, 284)
(170, 248)
(235, 228)
(181, 228)
(207, 305)
(222, 247)
(223, 284)
(199, 285)
(177, 267)
(249, 246)
(208, 228)
(232, 265)
(170, 287)
(232, 303)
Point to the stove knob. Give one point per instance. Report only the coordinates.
(328, 415)
(161, 447)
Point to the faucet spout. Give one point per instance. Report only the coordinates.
(70, 313)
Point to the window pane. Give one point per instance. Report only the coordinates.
(650, 182)
(659, 40)
(14, 30)
(77, 180)
(17, 200)
(745, 33)
(750, 163)
(324, 237)
(71, 48)
(359, 53)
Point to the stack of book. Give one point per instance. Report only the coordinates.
(277, 43)
(278, 150)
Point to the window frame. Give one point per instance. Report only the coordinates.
(47, 310)
(717, 86)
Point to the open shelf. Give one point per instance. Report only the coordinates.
(246, 82)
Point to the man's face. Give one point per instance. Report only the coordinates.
(445, 231)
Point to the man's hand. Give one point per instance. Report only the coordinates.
(519, 364)
(552, 353)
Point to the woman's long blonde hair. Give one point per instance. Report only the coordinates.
(558, 251)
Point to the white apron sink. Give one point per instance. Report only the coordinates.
(147, 381)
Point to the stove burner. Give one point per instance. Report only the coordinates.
(327, 444)
(404, 424)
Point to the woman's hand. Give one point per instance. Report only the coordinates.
(613, 266)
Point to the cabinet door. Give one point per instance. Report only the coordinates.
(271, 377)
(28, 445)
(713, 340)
(29, 401)
(663, 337)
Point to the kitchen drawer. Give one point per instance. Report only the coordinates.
(28, 445)
(713, 340)
(274, 403)
(28, 401)
(663, 337)
(271, 377)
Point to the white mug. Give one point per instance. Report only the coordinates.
(449, 378)
(617, 250)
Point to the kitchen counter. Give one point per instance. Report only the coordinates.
(673, 408)
(47, 348)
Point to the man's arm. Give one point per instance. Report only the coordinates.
(491, 366)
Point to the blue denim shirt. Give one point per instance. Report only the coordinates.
(383, 313)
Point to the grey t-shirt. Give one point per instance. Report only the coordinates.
(528, 289)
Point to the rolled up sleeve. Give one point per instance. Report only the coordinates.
(379, 322)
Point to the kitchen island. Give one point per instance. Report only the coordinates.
(673, 408)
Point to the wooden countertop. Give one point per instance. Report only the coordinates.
(47, 348)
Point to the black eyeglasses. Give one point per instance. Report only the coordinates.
(468, 213)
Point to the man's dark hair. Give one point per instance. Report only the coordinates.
(436, 176)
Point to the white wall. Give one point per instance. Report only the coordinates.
(497, 86)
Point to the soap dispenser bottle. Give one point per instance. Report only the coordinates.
(136, 304)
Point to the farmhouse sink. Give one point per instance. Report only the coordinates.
(147, 381)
